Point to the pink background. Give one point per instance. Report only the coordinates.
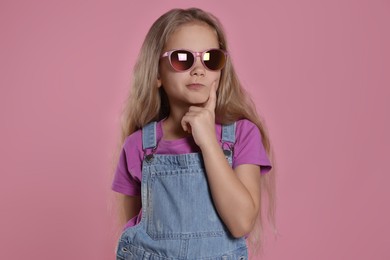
(317, 70)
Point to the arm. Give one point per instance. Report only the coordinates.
(236, 193)
(128, 207)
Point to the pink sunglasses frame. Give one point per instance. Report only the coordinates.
(195, 54)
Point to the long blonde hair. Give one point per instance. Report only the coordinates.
(146, 102)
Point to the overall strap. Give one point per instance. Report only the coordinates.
(228, 139)
(149, 140)
(149, 136)
(229, 133)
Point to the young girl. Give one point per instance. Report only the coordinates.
(194, 153)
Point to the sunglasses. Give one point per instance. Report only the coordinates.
(183, 60)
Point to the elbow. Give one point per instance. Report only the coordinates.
(238, 233)
(242, 228)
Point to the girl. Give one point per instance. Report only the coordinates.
(194, 153)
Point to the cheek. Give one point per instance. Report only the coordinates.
(164, 68)
(164, 74)
(217, 76)
(171, 78)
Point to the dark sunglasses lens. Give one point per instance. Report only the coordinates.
(214, 59)
(182, 60)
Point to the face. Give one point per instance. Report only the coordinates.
(191, 87)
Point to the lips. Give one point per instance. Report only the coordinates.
(195, 86)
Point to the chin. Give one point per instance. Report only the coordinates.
(196, 99)
(198, 102)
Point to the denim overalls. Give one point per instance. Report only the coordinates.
(179, 220)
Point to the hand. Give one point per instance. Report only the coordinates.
(200, 121)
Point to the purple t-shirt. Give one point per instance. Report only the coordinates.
(248, 149)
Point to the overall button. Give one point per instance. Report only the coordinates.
(227, 152)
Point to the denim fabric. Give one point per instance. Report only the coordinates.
(179, 220)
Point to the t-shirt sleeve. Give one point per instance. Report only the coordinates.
(249, 148)
(126, 178)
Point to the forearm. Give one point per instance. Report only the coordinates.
(129, 206)
(235, 193)
(232, 199)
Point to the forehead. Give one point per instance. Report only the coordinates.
(193, 36)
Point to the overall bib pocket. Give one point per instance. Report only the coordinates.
(174, 211)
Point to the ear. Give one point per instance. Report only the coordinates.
(159, 82)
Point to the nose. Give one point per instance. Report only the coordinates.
(198, 69)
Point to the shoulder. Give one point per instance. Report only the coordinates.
(249, 148)
(245, 127)
(245, 123)
(247, 135)
(133, 141)
(132, 147)
(128, 173)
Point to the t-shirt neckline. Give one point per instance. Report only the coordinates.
(160, 135)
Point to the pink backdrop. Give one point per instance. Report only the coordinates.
(317, 70)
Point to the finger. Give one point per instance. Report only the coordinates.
(185, 124)
(192, 114)
(211, 102)
(195, 109)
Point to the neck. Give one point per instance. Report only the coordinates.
(172, 125)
